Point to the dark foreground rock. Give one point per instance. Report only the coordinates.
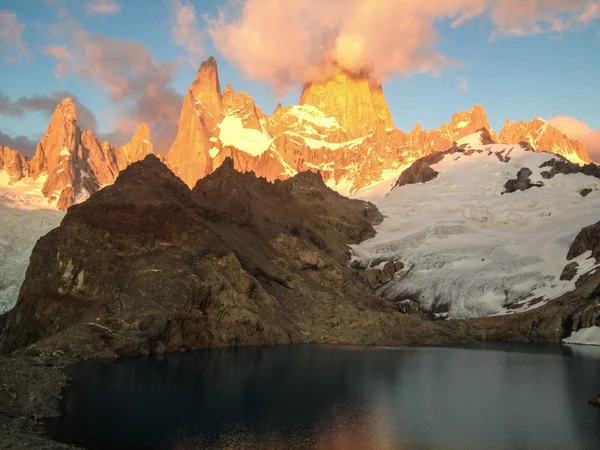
(30, 391)
(149, 266)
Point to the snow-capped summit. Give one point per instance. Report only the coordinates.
(484, 228)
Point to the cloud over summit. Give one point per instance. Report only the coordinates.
(287, 43)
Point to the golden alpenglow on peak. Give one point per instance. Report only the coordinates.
(355, 101)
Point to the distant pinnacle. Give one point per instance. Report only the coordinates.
(67, 109)
(209, 64)
(143, 131)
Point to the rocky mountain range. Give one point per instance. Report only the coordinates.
(71, 164)
(341, 127)
(149, 266)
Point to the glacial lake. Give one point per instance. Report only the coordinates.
(488, 396)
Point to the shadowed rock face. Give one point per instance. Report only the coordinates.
(522, 182)
(561, 165)
(588, 239)
(147, 266)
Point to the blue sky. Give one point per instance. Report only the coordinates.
(516, 77)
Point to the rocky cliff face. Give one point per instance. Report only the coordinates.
(147, 266)
(202, 110)
(64, 155)
(544, 137)
(15, 164)
(342, 128)
(74, 163)
(355, 102)
(242, 105)
(136, 149)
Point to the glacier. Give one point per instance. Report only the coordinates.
(471, 250)
(25, 216)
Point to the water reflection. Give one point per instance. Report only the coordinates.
(336, 398)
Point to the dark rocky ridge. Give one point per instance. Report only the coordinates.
(561, 165)
(588, 239)
(148, 266)
(522, 182)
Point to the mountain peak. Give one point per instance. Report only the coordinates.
(201, 112)
(210, 65)
(206, 92)
(137, 148)
(143, 131)
(542, 136)
(65, 110)
(352, 98)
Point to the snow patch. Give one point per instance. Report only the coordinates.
(471, 140)
(315, 144)
(213, 152)
(314, 115)
(251, 141)
(462, 124)
(584, 336)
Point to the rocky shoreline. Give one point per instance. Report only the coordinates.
(30, 391)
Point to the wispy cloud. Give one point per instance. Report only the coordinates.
(24, 144)
(186, 32)
(102, 7)
(136, 82)
(463, 84)
(11, 43)
(46, 104)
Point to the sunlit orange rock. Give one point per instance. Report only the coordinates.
(544, 137)
(202, 110)
(15, 164)
(356, 102)
(136, 149)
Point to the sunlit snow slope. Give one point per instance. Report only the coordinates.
(471, 250)
(25, 216)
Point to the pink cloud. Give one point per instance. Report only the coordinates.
(11, 42)
(23, 144)
(133, 80)
(186, 32)
(286, 43)
(102, 7)
(46, 104)
(519, 17)
(581, 131)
